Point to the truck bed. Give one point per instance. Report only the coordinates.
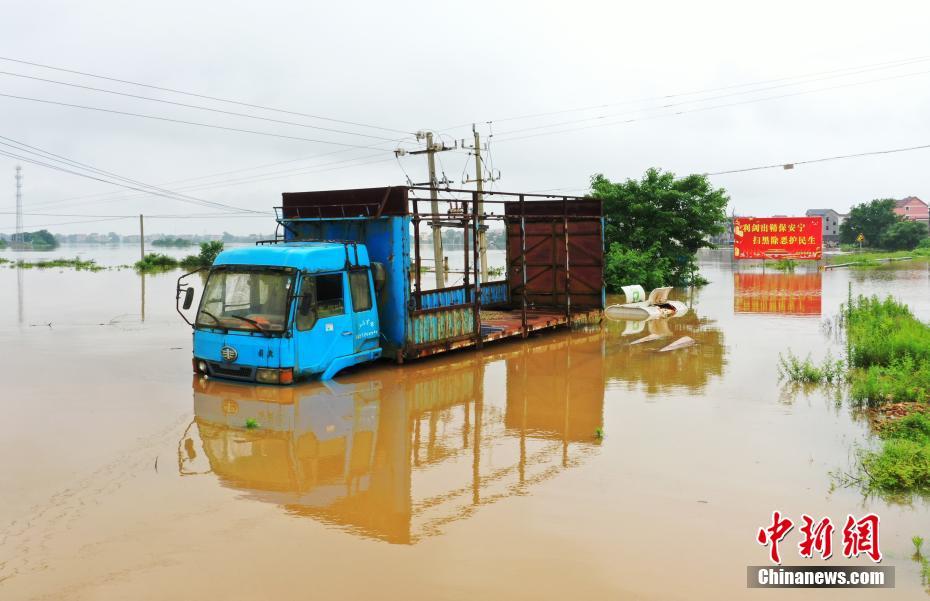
(497, 324)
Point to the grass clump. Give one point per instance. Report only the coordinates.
(890, 351)
(76, 263)
(904, 379)
(902, 464)
(880, 331)
(805, 371)
(156, 262)
(788, 265)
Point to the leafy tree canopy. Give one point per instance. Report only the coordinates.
(869, 219)
(667, 218)
(903, 235)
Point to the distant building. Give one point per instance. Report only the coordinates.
(832, 221)
(912, 209)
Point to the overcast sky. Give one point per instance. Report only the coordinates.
(408, 66)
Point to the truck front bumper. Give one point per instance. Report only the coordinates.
(243, 373)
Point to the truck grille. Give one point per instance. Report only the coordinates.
(234, 372)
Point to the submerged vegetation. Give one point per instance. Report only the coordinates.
(156, 262)
(75, 263)
(805, 371)
(788, 265)
(161, 262)
(889, 367)
(873, 258)
(902, 463)
(208, 253)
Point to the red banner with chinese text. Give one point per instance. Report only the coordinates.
(777, 238)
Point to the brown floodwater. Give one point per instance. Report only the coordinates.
(464, 476)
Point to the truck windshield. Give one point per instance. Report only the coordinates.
(246, 299)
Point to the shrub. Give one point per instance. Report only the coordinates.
(900, 466)
(807, 372)
(156, 262)
(208, 253)
(788, 265)
(903, 235)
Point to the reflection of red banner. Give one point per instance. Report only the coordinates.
(782, 293)
(777, 238)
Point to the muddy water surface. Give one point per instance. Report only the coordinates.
(474, 474)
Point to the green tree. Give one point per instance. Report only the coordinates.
(208, 252)
(663, 218)
(870, 219)
(903, 235)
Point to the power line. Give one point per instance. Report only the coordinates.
(256, 179)
(791, 165)
(853, 71)
(46, 155)
(75, 164)
(182, 121)
(44, 225)
(713, 107)
(675, 104)
(195, 95)
(194, 106)
(230, 172)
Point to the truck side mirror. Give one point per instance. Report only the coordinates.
(306, 305)
(188, 298)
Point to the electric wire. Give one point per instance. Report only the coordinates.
(182, 121)
(194, 106)
(196, 95)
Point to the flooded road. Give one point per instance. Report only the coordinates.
(468, 475)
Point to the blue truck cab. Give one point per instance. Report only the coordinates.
(343, 282)
(276, 313)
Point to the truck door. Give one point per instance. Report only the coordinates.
(328, 330)
(364, 311)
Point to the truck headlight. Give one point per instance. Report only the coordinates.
(274, 376)
(267, 376)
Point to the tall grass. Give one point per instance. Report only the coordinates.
(880, 331)
(902, 464)
(805, 371)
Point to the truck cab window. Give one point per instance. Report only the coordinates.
(361, 290)
(327, 294)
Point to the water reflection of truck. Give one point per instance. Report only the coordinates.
(337, 286)
(398, 454)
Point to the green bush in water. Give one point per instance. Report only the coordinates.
(805, 371)
(880, 331)
(903, 462)
(156, 262)
(208, 253)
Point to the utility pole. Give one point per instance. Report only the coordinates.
(479, 184)
(18, 239)
(434, 209)
(435, 223)
(141, 239)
